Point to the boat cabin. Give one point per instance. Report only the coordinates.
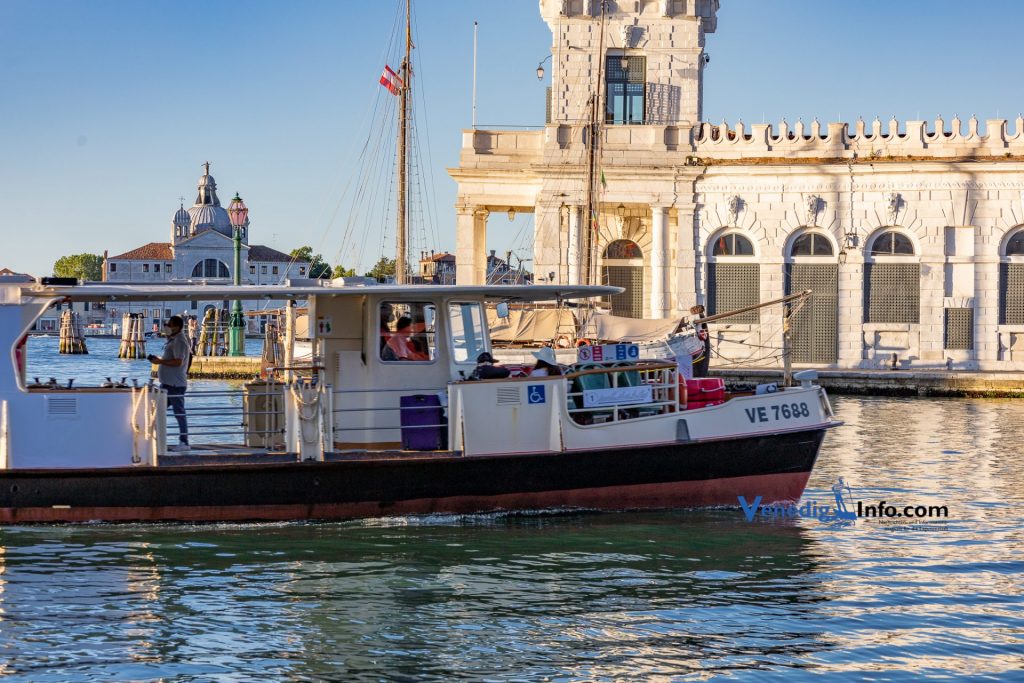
(389, 376)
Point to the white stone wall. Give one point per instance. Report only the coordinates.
(954, 187)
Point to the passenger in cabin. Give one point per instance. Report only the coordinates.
(418, 338)
(547, 365)
(486, 369)
(386, 314)
(400, 345)
(172, 371)
(700, 367)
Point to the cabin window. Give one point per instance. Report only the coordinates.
(407, 331)
(145, 267)
(263, 270)
(113, 267)
(156, 267)
(469, 338)
(273, 270)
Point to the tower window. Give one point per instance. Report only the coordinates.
(626, 83)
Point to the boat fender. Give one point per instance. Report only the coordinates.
(766, 388)
(109, 384)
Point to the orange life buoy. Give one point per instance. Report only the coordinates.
(562, 341)
(582, 342)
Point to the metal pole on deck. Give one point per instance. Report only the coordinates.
(787, 346)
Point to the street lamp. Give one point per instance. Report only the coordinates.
(239, 214)
(540, 68)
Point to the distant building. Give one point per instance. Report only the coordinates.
(201, 250)
(437, 269)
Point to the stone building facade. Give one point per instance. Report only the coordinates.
(910, 234)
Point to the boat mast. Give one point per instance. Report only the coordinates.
(403, 137)
(589, 265)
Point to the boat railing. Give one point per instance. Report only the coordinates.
(251, 417)
(611, 392)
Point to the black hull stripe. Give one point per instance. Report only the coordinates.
(388, 481)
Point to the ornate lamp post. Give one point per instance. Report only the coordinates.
(236, 327)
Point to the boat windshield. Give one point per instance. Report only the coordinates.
(469, 338)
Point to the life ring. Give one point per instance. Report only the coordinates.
(562, 341)
(582, 342)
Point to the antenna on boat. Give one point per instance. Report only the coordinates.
(403, 138)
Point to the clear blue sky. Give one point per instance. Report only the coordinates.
(107, 109)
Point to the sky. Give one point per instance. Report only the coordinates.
(109, 108)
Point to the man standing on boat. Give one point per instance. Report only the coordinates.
(172, 371)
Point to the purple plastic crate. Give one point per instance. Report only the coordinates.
(423, 423)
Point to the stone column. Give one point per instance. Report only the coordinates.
(986, 311)
(573, 255)
(470, 245)
(659, 254)
(547, 238)
(850, 310)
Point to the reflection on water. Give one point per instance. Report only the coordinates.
(672, 595)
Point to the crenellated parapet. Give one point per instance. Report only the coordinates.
(878, 140)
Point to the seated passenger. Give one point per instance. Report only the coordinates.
(486, 369)
(400, 346)
(386, 314)
(547, 365)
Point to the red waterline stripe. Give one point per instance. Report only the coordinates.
(772, 488)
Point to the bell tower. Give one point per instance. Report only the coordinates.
(646, 59)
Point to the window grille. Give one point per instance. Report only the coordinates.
(1011, 294)
(629, 304)
(813, 328)
(732, 286)
(958, 331)
(892, 292)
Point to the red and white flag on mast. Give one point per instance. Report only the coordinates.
(390, 80)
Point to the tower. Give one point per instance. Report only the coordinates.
(647, 62)
(180, 223)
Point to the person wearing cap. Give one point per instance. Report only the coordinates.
(172, 371)
(547, 365)
(486, 369)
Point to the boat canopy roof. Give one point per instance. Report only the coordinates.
(102, 291)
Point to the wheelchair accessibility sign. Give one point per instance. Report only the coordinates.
(535, 394)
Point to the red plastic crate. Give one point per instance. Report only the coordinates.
(705, 389)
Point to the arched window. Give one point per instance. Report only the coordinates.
(811, 244)
(209, 268)
(623, 249)
(892, 280)
(1011, 281)
(892, 243)
(732, 244)
(734, 278)
(624, 267)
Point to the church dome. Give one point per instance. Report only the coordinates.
(207, 213)
(206, 217)
(181, 218)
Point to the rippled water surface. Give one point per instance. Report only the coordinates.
(573, 596)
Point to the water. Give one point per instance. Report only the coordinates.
(570, 597)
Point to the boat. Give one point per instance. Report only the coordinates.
(363, 436)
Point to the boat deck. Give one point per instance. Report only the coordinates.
(216, 455)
